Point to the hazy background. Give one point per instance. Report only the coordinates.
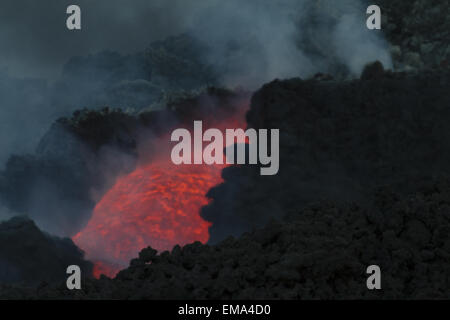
(34, 41)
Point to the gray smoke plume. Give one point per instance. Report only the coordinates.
(246, 43)
(255, 41)
(254, 35)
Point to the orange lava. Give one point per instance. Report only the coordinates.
(106, 268)
(156, 205)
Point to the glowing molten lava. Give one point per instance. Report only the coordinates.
(156, 205)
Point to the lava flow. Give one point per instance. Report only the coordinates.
(156, 205)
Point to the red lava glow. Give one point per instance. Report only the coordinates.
(106, 268)
(156, 205)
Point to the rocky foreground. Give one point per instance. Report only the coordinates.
(29, 256)
(321, 252)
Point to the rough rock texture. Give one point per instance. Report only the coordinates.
(29, 256)
(418, 31)
(321, 252)
(338, 141)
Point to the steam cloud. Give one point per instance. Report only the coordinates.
(255, 41)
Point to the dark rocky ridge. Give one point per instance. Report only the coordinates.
(339, 141)
(321, 252)
(29, 256)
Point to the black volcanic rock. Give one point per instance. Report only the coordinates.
(418, 31)
(373, 71)
(29, 256)
(339, 141)
(321, 252)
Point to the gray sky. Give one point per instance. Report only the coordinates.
(34, 40)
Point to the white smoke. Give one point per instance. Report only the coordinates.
(250, 42)
(256, 41)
